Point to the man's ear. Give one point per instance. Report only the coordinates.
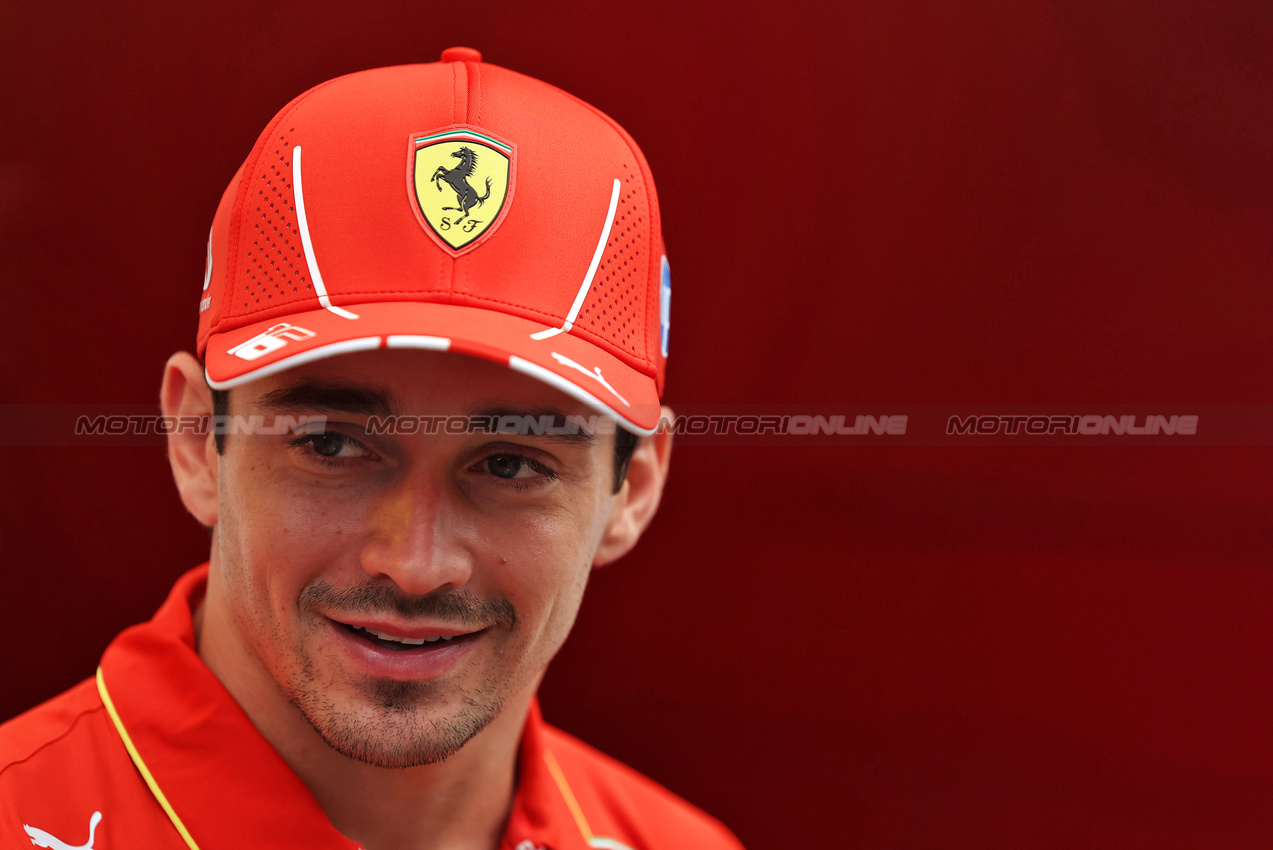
(193, 456)
(638, 499)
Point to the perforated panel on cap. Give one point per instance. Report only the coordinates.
(612, 309)
(272, 269)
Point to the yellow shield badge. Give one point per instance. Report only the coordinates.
(462, 182)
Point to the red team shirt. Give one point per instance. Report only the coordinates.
(155, 753)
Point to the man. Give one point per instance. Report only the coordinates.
(420, 380)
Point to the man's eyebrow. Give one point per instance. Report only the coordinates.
(318, 395)
(563, 427)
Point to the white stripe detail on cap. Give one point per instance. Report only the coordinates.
(366, 343)
(428, 343)
(592, 270)
(575, 391)
(314, 274)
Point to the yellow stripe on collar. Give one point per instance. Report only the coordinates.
(141, 765)
(595, 841)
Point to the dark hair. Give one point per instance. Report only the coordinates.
(625, 441)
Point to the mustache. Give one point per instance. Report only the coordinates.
(454, 606)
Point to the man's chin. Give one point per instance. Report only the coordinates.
(395, 725)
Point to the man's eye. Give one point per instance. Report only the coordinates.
(332, 445)
(511, 466)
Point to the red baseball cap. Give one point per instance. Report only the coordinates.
(454, 206)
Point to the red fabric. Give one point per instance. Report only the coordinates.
(64, 760)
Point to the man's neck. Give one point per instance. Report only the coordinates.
(462, 803)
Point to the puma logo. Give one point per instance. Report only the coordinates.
(40, 838)
(595, 374)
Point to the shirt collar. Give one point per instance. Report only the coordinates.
(224, 784)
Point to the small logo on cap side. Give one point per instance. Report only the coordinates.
(271, 340)
(595, 374)
(461, 180)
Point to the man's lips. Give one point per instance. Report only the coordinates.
(389, 630)
(388, 654)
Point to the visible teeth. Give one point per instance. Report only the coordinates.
(411, 641)
(408, 641)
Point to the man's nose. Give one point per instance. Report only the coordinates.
(417, 540)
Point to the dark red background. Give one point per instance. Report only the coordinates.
(866, 202)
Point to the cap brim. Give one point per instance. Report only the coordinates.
(564, 361)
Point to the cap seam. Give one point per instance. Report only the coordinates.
(489, 300)
(475, 86)
(353, 299)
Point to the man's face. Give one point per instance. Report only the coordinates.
(472, 549)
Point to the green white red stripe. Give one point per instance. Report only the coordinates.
(465, 134)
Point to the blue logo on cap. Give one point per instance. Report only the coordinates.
(665, 302)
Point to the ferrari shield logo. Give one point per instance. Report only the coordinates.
(461, 180)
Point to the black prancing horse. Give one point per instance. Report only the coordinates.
(457, 178)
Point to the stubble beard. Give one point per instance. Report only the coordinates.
(398, 724)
